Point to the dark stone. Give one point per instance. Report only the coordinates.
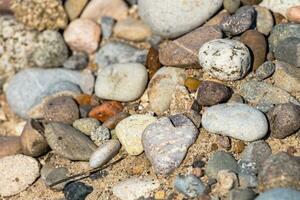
(77, 191)
(288, 50)
(152, 62)
(77, 61)
(198, 164)
(265, 70)
(241, 194)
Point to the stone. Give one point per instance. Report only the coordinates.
(181, 101)
(279, 6)
(238, 146)
(189, 185)
(284, 120)
(247, 179)
(17, 173)
(68, 142)
(33, 141)
(287, 77)
(227, 180)
(279, 193)
(112, 122)
(86, 125)
(127, 189)
(106, 110)
(166, 142)
(61, 109)
(220, 160)
(263, 93)
(236, 98)
(279, 170)
(239, 22)
(74, 8)
(83, 35)
(236, 120)
(162, 86)
(114, 80)
(50, 175)
(251, 2)
(100, 135)
(231, 5)
(210, 93)
(42, 83)
(192, 84)
(241, 194)
(293, 14)
(163, 17)
(104, 153)
(132, 29)
(118, 53)
(183, 52)
(129, 132)
(10, 145)
(281, 32)
(152, 62)
(264, 20)
(225, 59)
(5, 6)
(217, 19)
(288, 50)
(265, 70)
(77, 61)
(107, 25)
(77, 191)
(257, 43)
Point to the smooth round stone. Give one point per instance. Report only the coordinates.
(17, 173)
(171, 18)
(100, 135)
(86, 125)
(129, 131)
(279, 6)
(77, 61)
(293, 14)
(105, 153)
(235, 120)
(113, 82)
(10, 145)
(77, 191)
(288, 50)
(279, 194)
(231, 5)
(225, 59)
(264, 20)
(189, 185)
(265, 70)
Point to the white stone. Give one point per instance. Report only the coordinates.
(121, 82)
(225, 59)
(279, 6)
(133, 188)
(129, 131)
(235, 120)
(172, 18)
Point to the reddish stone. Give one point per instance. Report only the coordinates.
(106, 110)
(152, 62)
(10, 145)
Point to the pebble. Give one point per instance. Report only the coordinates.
(279, 194)
(225, 59)
(264, 20)
(192, 14)
(227, 180)
(77, 61)
(114, 80)
(17, 173)
(210, 93)
(238, 146)
(265, 70)
(129, 132)
(189, 185)
(231, 5)
(192, 84)
(106, 110)
(217, 19)
(127, 189)
(220, 160)
(183, 52)
(288, 50)
(241, 194)
(166, 142)
(68, 142)
(107, 25)
(257, 43)
(181, 101)
(33, 141)
(84, 110)
(118, 53)
(61, 109)
(51, 175)
(74, 8)
(83, 35)
(239, 22)
(236, 98)
(77, 191)
(235, 120)
(86, 125)
(279, 170)
(96, 9)
(162, 86)
(293, 14)
(112, 122)
(279, 6)
(263, 93)
(100, 135)
(152, 62)
(35, 84)
(284, 120)
(104, 153)
(132, 29)
(10, 145)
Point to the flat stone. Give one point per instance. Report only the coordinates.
(189, 185)
(183, 52)
(279, 194)
(288, 50)
(10, 145)
(50, 175)
(17, 173)
(86, 125)
(74, 7)
(69, 142)
(265, 70)
(163, 17)
(279, 6)
(235, 120)
(166, 142)
(264, 20)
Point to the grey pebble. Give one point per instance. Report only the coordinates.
(77, 61)
(189, 185)
(107, 24)
(100, 135)
(265, 70)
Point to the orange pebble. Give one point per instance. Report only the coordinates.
(106, 110)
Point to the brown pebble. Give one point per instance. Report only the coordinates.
(214, 147)
(238, 146)
(83, 99)
(291, 150)
(152, 62)
(112, 122)
(293, 14)
(279, 18)
(192, 84)
(10, 145)
(106, 110)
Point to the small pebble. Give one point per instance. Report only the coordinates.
(77, 61)
(241, 194)
(231, 5)
(86, 125)
(189, 185)
(192, 84)
(152, 63)
(106, 110)
(112, 122)
(77, 191)
(238, 146)
(51, 175)
(10, 145)
(265, 70)
(107, 25)
(100, 135)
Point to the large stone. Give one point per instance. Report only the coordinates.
(264, 20)
(288, 50)
(279, 6)
(172, 18)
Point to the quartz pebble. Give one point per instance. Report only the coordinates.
(189, 185)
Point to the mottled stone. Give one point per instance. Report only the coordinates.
(181, 101)
(86, 125)
(189, 185)
(217, 19)
(288, 50)
(265, 70)
(100, 135)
